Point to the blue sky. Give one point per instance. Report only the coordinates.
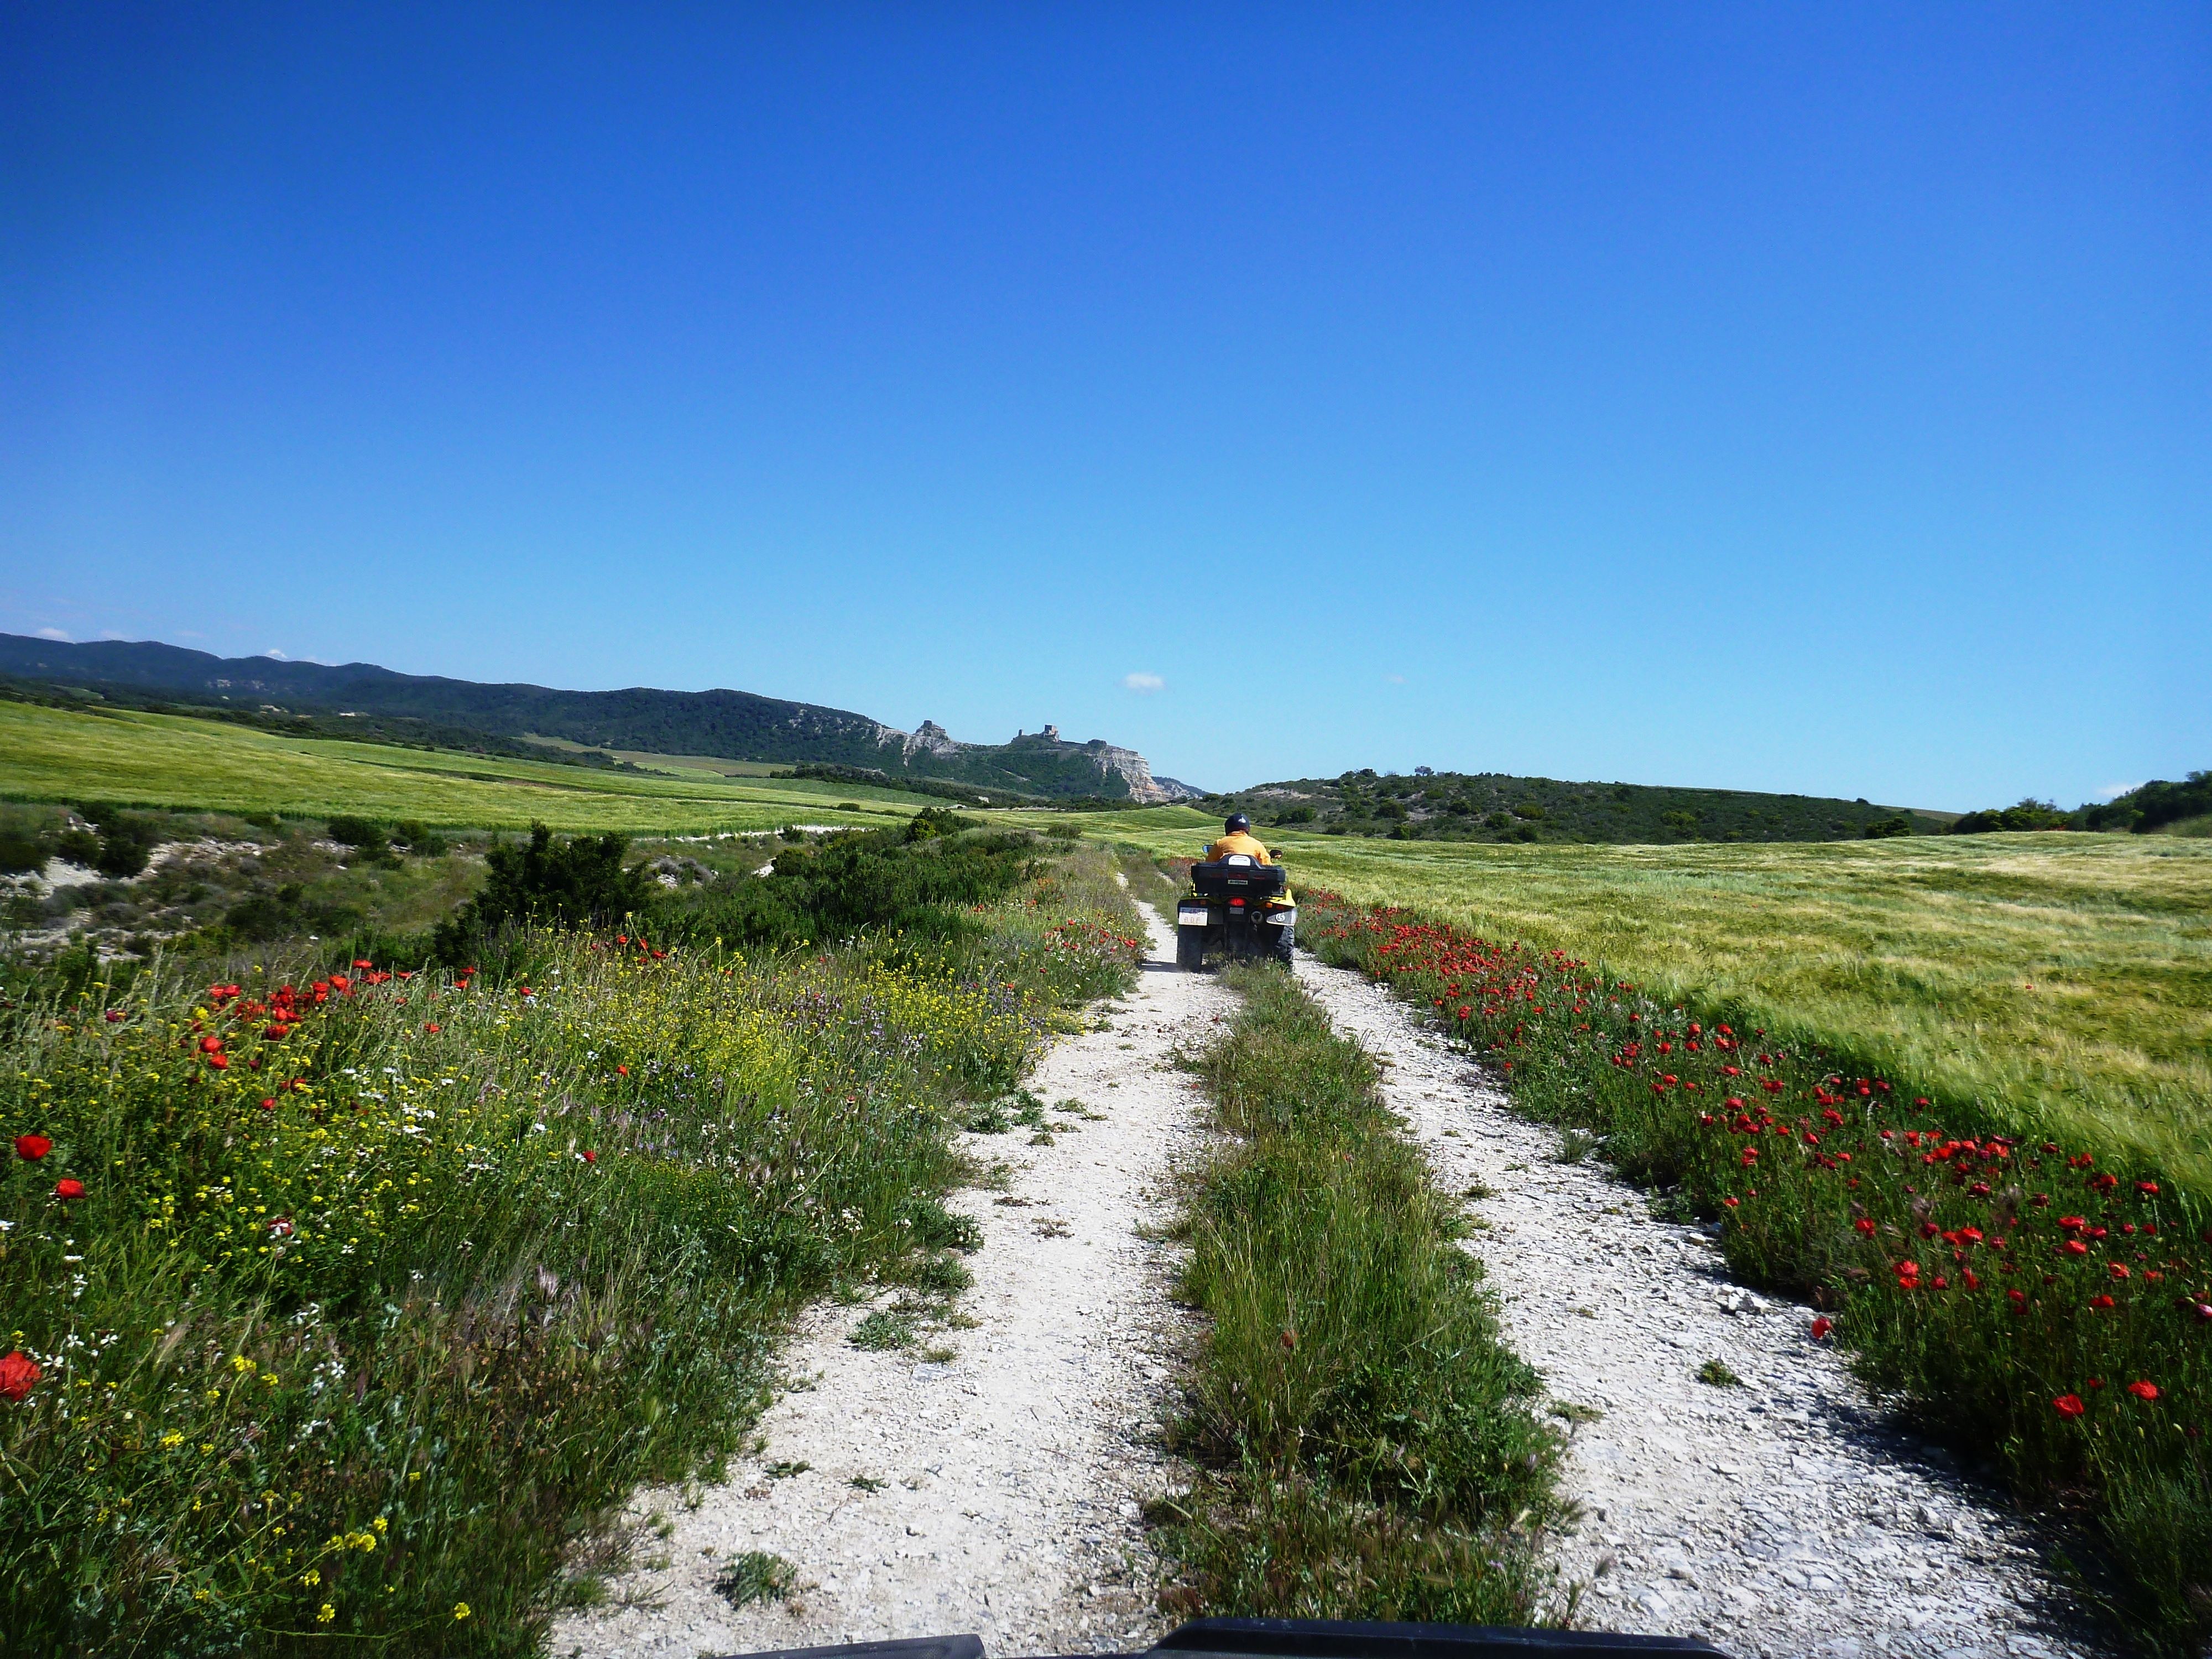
(1773, 396)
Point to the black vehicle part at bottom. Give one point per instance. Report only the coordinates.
(1312, 1639)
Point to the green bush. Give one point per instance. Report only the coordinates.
(578, 881)
(915, 879)
(2030, 814)
(364, 834)
(122, 848)
(20, 852)
(421, 840)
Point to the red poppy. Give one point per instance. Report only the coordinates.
(268, 1104)
(2143, 1390)
(1865, 1224)
(362, 962)
(432, 1028)
(2118, 1269)
(219, 1062)
(68, 1186)
(2069, 1405)
(18, 1375)
(1821, 1327)
(621, 1071)
(2101, 1302)
(210, 1045)
(31, 1148)
(114, 1016)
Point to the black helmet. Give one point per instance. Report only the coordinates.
(1237, 825)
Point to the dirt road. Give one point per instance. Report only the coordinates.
(996, 1490)
(1779, 1515)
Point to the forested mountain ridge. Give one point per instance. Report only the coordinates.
(730, 724)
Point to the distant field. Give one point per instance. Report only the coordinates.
(680, 764)
(2065, 980)
(161, 760)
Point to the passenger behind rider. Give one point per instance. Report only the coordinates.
(1239, 838)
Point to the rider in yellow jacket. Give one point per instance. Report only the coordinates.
(1239, 838)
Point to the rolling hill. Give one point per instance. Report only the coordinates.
(1495, 807)
(729, 724)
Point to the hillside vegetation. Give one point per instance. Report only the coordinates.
(2066, 979)
(735, 725)
(171, 761)
(1491, 807)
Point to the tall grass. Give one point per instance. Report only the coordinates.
(2035, 1304)
(1367, 1442)
(379, 1298)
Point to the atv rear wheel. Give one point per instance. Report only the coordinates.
(1281, 947)
(1190, 949)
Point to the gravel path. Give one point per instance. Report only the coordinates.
(1781, 1517)
(1010, 1475)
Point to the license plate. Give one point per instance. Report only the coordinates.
(1193, 918)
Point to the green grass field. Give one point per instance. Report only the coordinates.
(2063, 980)
(167, 760)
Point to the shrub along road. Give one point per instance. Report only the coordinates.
(899, 1490)
(1774, 1514)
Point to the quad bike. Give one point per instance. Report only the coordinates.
(1239, 909)
(1315, 1638)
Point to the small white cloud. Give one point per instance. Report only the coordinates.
(274, 653)
(1396, 679)
(54, 633)
(2114, 791)
(1144, 682)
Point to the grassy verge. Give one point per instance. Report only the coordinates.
(2018, 1296)
(1367, 1444)
(354, 1310)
